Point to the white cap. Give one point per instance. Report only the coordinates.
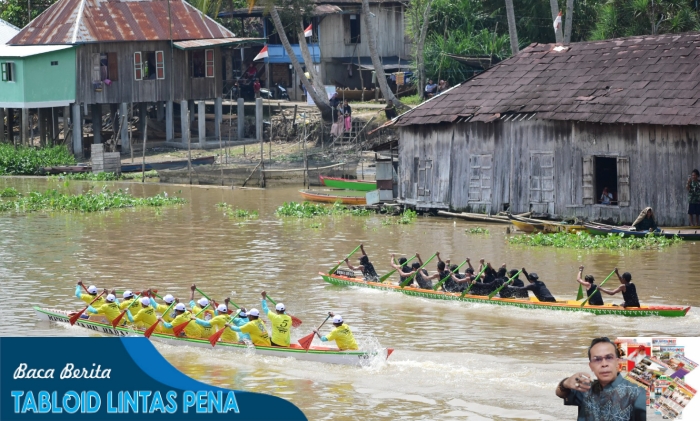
(110, 298)
(279, 307)
(180, 307)
(169, 299)
(222, 308)
(128, 294)
(253, 312)
(92, 289)
(337, 318)
(242, 314)
(146, 301)
(203, 302)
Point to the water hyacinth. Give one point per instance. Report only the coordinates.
(311, 210)
(583, 240)
(237, 213)
(52, 200)
(29, 161)
(477, 230)
(9, 192)
(105, 176)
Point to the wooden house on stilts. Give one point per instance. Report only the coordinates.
(548, 129)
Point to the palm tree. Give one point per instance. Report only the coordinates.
(512, 29)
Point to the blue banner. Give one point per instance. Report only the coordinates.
(115, 379)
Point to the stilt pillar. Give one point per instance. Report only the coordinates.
(241, 119)
(169, 127)
(184, 123)
(201, 123)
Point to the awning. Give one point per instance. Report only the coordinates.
(29, 50)
(388, 63)
(217, 42)
(258, 11)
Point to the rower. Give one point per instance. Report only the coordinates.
(162, 308)
(110, 309)
(197, 307)
(537, 287)
(509, 292)
(239, 321)
(589, 283)
(91, 295)
(628, 289)
(281, 323)
(255, 328)
(490, 281)
(128, 298)
(365, 266)
(457, 282)
(192, 330)
(342, 335)
(404, 270)
(145, 317)
(218, 322)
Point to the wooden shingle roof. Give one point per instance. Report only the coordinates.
(644, 79)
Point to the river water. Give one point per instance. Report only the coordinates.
(452, 361)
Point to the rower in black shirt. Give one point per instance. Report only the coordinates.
(537, 287)
(589, 283)
(510, 292)
(404, 270)
(365, 266)
(421, 276)
(457, 282)
(628, 289)
(489, 281)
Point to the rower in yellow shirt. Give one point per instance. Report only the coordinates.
(255, 328)
(281, 323)
(91, 295)
(341, 334)
(192, 330)
(128, 298)
(217, 323)
(110, 309)
(145, 317)
(202, 303)
(162, 310)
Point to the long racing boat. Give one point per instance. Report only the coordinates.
(533, 303)
(315, 353)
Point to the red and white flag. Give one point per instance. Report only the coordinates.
(557, 22)
(308, 32)
(262, 54)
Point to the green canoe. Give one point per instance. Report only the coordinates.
(343, 183)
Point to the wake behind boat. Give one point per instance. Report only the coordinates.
(315, 353)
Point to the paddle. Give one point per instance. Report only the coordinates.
(579, 296)
(385, 277)
(596, 289)
(504, 284)
(410, 278)
(296, 322)
(207, 297)
(332, 271)
(77, 315)
(177, 330)
(213, 339)
(151, 329)
(118, 319)
(305, 342)
(475, 279)
(435, 288)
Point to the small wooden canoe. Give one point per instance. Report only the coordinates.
(315, 196)
(344, 183)
(532, 303)
(684, 234)
(477, 217)
(529, 225)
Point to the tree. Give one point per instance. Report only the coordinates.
(569, 20)
(512, 29)
(419, 14)
(17, 12)
(554, 5)
(619, 18)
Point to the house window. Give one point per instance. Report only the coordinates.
(138, 66)
(542, 181)
(54, 63)
(8, 72)
(146, 64)
(209, 56)
(160, 65)
(109, 68)
(600, 172)
(351, 24)
(202, 63)
(480, 174)
(425, 173)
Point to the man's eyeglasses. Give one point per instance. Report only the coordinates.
(608, 358)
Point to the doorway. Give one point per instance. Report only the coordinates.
(605, 176)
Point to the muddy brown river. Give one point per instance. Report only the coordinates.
(453, 360)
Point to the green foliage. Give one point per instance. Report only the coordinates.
(583, 240)
(236, 212)
(137, 175)
(312, 210)
(52, 200)
(104, 176)
(28, 160)
(477, 230)
(412, 99)
(15, 11)
(407, 217)
(623, 18)
(9, 192)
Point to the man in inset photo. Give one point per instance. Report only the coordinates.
(610, 396)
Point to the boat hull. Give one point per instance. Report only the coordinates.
(343, 183)
(328, 198)
(316, 354)
(661, 311)
(670, 232)
(532, 225)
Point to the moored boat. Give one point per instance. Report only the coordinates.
(570, 305)
(668, 232)
(529, 225)
(477, 217)
(317, 354)
(344, 183)
(315, 196)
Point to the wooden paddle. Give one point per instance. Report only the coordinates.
(435, 288)
(305, 342)
(475, 279)
(213, 339)
(177, 330)
(332, 271)
(410, 278)
(77, 315)
(118, 319)
(151, 329)
(296, 322)
(385, 277)
(596, 289)
(504, 284)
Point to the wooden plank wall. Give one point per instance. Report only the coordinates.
(661, 158)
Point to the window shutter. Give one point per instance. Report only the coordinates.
(346, 29)
(623, 181)
(96, 75)
(138, 70)
(112, 66)
(209, 57)
(588, 198)
(3, 66)
(160, 65)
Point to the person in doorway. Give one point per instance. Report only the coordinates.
(341, 334)
(537, 287)
(255, 328)
(693, 187)
(347, 115)
(430, 89)
(281, 323)
(591, 288)
(610, 396)
(256, 88)
(606, 197)
(646, 221)
(365, 266)
(628, 289)
(251, 71)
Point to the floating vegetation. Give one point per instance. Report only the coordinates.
(105, 176)
(236, 213)
(583, 240)
(407, 217)
(137, 175)
(477, 230)
(312, 210)
(52, 200)
(29, 161)
(9, 192)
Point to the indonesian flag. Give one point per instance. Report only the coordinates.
(557, 22)
(262, 54)
(308, 32)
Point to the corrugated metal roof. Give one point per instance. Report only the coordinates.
(7, 31)
(88, 21)
(319, 10)
(218, 42)
(644, 79)
(29, 50)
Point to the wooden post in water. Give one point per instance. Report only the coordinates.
(131, 144)
(259, 135)
(189, 147)
(143, 153)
